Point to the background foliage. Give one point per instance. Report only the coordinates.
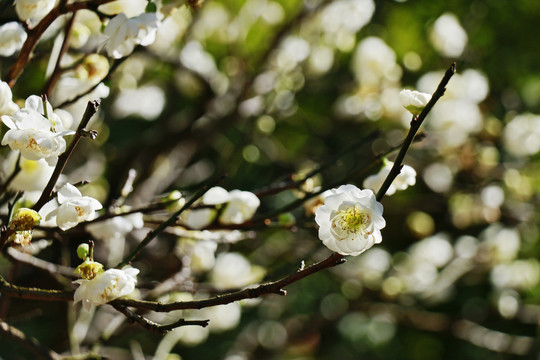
(263, 90)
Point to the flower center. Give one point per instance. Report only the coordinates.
(350, 221)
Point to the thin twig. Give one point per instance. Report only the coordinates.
(39, 263)
(32, 293)
(152, 326)
(416, 122)
(46, 195)
(171, 220)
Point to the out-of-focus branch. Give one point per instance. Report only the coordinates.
(171, 220)
(31, 293)
(30, 343)
(416, 122)
(39, 263)
(295, 184)
(46, 195)
(152, 326)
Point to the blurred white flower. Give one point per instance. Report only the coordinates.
(351, 15)
(438, 176)
(195, 58)
(130, 8)
(198, 219)
(7, 106)
(406, 178)
(200, 254)
(37, 136)
(33, 10)
(70, 208)
(12, 37)
(222, 317)
(375, 62)
(501, 243)
(519, 275)
(350, 221)
(147, 102)
(521, 136)
(33, 176)
(414, 101)
(215, 196)
(232, 270)
(107, 286)
(125, 33)
(115, 227)
(447, 36)
(71, 88)
(241, 207)
(457, 114)
(435, 249)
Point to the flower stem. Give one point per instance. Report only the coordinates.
(416, 122)
(46, 195)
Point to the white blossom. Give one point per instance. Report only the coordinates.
(70, 208)
(406, 178)
(12, 37)
(350, 221)
(107, 286)
(37, 136)
(33, 10)
(414, 101)
(125, 33)
(241, 207)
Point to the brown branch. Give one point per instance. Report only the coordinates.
(275, 287)
(30, 343)
(416, 122)
(46, 195)
(152, 326)
(32, 293)
(35, 34)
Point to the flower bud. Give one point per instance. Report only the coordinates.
(173, 200)
(83, 250)
(414, 101)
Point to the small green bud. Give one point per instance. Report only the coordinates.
(286, 219)
(174, 201)
(83, 250)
